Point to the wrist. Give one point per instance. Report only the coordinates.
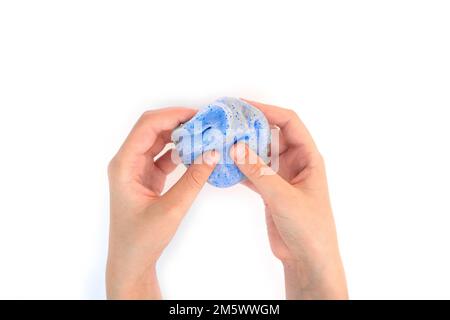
(124, 283)
(323, 281)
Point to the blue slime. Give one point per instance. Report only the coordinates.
(218, 126)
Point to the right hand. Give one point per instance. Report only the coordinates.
(299, 218)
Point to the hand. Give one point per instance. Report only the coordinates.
(142, 220)
(299, 218)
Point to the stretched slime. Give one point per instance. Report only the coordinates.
(218, 126)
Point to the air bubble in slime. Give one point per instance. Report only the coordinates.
(218, 126)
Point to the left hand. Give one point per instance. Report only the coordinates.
(142, 220)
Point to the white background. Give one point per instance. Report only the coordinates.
(371, 79)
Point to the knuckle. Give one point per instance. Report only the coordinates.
(292, 114)
(254, 170)
(112, 166)
(115, 166)
(147, 114)
(196, 177)
(289, 111)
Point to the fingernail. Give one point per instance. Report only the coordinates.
(211, 157)
(238, 151)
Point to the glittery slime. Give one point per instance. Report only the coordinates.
(218, 126)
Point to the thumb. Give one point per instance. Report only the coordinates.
(183, 193)
(268, 184)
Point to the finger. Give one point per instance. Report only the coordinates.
(269, 184)
(161, 141)
(186, 189)
(157, 147)
(165, 163)
(292, 128)
(152, 124)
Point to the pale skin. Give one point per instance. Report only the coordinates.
(299, 217)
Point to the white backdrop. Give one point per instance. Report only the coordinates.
(371, 79)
